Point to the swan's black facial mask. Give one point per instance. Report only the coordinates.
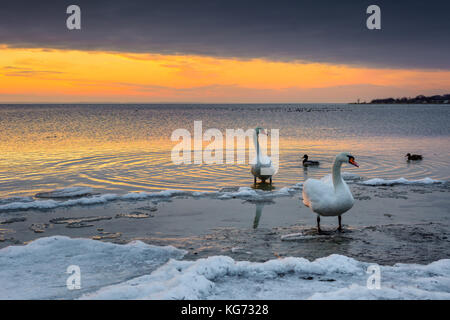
(352, 161)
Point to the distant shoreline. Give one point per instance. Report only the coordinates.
(420, 99)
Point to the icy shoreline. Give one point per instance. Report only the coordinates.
(140, 271)
(82, 196)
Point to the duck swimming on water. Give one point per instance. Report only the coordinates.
(414, 156)
(307, 162)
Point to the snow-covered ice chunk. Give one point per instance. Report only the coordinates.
(384, 182)
(140, 271)
(38, 269)
(66, 193)
(332, 277)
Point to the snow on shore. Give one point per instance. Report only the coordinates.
(140, 271)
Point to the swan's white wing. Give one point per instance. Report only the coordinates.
(322, 198)
(266, 165)
(269, 171)
(328, 179)
(263, 160)
(317, 194)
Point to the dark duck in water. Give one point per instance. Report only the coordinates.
(414, 156)
(307, 162)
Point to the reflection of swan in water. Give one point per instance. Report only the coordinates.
(259, 207)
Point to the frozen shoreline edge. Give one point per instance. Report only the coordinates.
(83, 195)
(159, 274)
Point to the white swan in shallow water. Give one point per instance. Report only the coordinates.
(262, 166)
(330, 197)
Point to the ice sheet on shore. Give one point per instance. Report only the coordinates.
(386, 182)
(66, 193)
(76, 195)
(28, 203)
(332, 277)
(38, 269)
(140, 271)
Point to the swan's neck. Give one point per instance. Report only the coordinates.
(337, 179)
(256, 141)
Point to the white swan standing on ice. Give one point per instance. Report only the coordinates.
(262, 166)
(330, 197)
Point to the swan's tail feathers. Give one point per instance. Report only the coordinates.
(305, 199)
(267, 171)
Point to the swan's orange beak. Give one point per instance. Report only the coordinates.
(353, 162)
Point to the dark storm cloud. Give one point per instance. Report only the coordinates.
(414, 33)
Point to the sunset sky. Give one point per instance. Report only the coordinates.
(217, 51)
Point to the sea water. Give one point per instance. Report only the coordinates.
(126, 148)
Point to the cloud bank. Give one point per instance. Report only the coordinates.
(414, 34)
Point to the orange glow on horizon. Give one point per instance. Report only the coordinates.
(42, 75)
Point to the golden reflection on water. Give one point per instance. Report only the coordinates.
(136, 165)
(122, 150)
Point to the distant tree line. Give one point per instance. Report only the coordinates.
(419, 99)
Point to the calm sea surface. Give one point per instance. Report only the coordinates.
(123, 148)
